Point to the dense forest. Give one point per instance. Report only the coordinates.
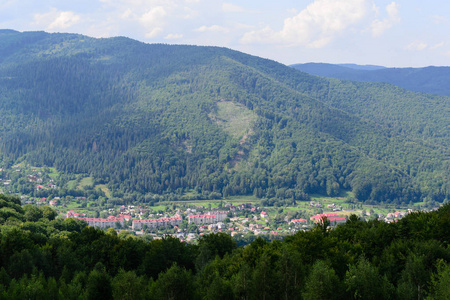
(154, 119)
(46, 258)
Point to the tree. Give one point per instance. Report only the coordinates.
(364, 282)
(242, 282)
(32, 213)
(98, 284)
(322, 283)
(217, 244)
(414, 278)
(127, 285)
(441, 282)
(176, 283)
(49, 213)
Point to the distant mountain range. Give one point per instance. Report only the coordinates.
(433, 80)
(189, 121)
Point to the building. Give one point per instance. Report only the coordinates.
(299, 221)
(207, 218)
(72, 214)
(155, 223)
(333, 218)
(110, 222)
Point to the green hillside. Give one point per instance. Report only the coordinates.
(165, 119)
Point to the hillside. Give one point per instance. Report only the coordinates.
(153, 119)
(433, 80)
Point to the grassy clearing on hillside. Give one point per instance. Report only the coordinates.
(105, 190)
(53, 173)
(235, 118)
(85, 182)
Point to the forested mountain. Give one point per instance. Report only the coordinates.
(433, 80)
(151, 119)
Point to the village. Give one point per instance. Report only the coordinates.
(243, 218)
(238, 221)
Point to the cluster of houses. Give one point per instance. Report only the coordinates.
(393, 217)
(215, 220)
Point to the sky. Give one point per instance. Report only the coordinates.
(401, 33)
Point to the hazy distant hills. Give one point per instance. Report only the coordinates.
(434, 80)
(176, 120)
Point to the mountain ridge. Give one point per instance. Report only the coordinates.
(138, 117)
(431, 79)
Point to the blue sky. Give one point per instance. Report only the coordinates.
(397, 33)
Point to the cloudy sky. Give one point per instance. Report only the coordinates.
(398, 33)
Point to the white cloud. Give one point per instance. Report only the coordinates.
(437, 46)
(439, 20)
(153, 20)
(128, 13)
(417, 46)
(173, 36)
(213, 28)
(6, 3)
(315, 26)
(189, 13)
(380, 26)
(231, 8)
(56, 20)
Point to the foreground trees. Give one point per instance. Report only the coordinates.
(62, 259)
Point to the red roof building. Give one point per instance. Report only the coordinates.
(154, 223)
(333, 218)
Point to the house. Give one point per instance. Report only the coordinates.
(220, 225)
(299, 221)
(53, 203)
(32, 178)
(125, 217)
(234, 233)
(264, 214)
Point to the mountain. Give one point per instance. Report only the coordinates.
(362, 67)
(433, 80)
(188, 121)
